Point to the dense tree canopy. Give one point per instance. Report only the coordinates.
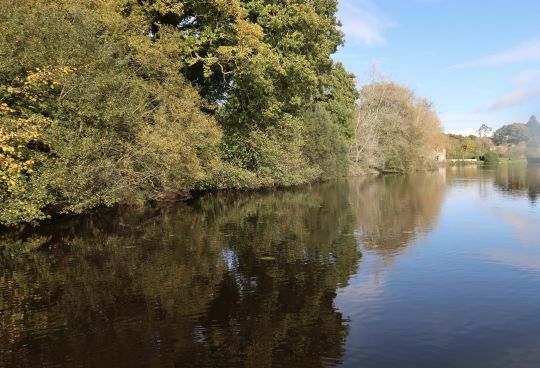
(123, 101)
(116, 101)
(262, 64)
(512, 134)
(461, 147)
(95, 112)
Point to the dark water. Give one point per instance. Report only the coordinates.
(430, 270)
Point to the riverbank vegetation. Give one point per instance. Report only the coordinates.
(395, 130)
(107, 102)
(512, 142)
(460, 147)
(519, 141)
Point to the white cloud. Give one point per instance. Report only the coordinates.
(363, 22)
(515, 97)
(526, 76)
(463, 131)
(465, 122)
(525, 52)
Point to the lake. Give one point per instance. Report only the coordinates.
(434, 269)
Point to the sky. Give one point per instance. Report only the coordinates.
(478, 61)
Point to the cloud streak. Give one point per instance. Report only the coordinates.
(515, 98)
(525, 52)
(363, 22)
(526, 76)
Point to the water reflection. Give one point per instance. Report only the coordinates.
(519, 180)
(466, 296)
(277, 279)
(99, 290)
(275, 307)
(228, 281)
(391, 211)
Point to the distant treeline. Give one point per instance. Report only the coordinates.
(124, 101)
(512, 141)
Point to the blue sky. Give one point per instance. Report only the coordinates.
(478, 61)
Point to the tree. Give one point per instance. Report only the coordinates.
(511, 134)
(261, 65)
(484, 132)
(94, 112)
(105, 102)
(462, 147)
(395, 130)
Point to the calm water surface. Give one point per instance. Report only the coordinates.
(430, 270)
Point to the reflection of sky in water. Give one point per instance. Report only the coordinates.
(520, 244)
(468, 288)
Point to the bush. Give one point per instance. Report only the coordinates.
(491, 158)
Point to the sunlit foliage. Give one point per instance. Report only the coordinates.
(396, 131)
(110, 101)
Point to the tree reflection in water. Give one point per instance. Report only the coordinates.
(229, 280)
(391, 210)
(519, 180)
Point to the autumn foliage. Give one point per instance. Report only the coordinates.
(106, 102)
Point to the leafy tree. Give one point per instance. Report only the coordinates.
(395, 130)
(511, 134)
(106, 116)
(463, 147)
(325, 146)
(111, 101)
(262, 64)
(484, 140)
(491, 158)
(338, 96)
